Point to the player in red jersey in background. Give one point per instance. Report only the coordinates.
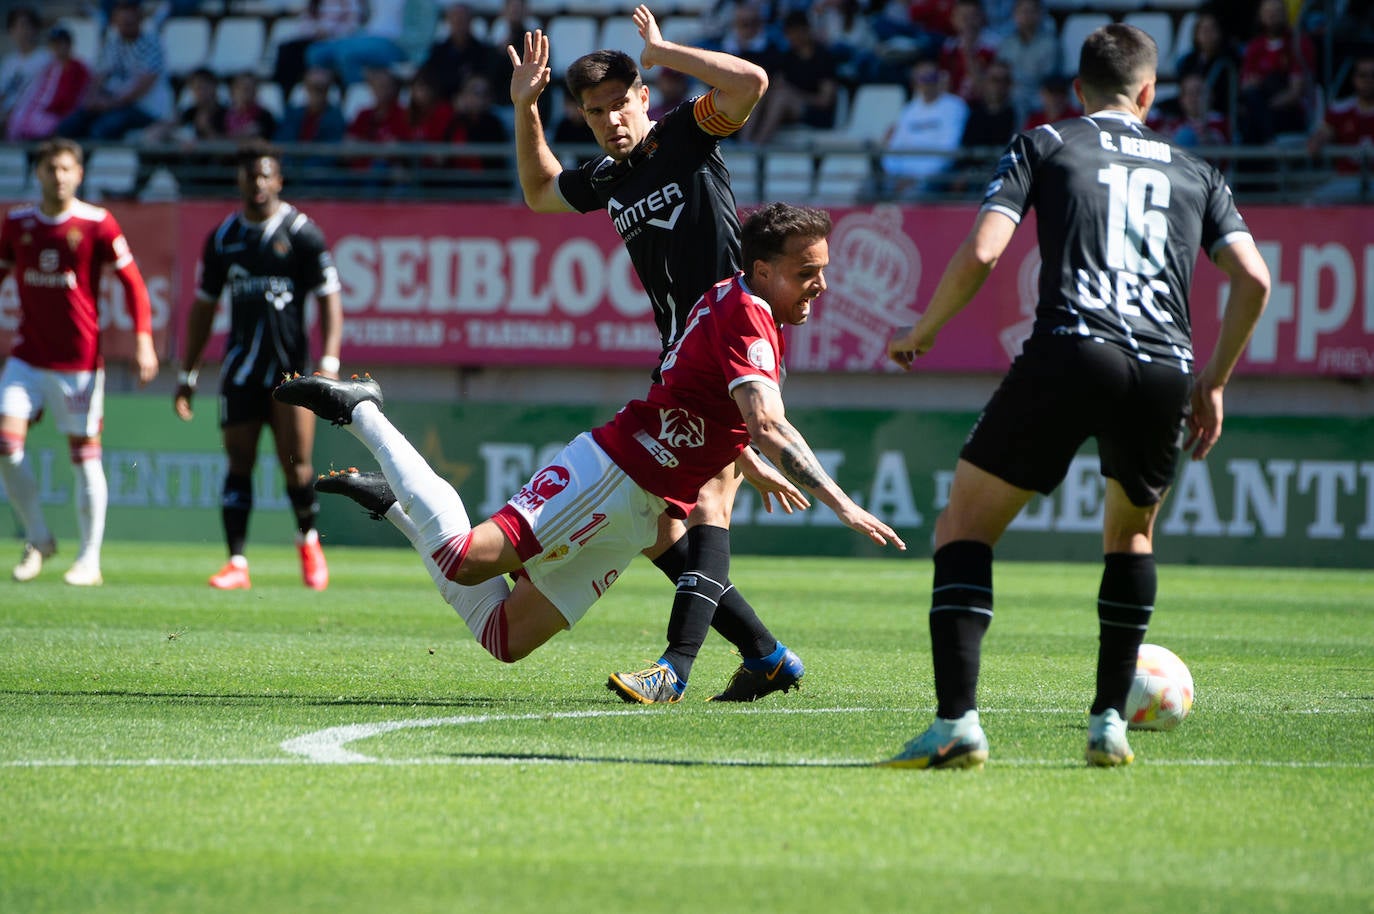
(56, 251)
(569, 533)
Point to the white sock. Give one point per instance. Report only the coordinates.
(22, 489)
(432, 505)
(92, 502)
(429, 512)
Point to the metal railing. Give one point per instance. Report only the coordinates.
(1279, 173)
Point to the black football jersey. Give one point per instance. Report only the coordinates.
(1120, 213)
(672, 204)
(269, 268)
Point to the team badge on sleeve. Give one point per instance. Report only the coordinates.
(761, 355)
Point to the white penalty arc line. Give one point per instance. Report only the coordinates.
(330, 747)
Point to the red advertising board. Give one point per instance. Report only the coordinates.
(496, 284)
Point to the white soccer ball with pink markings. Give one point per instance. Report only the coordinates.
(1162, 694)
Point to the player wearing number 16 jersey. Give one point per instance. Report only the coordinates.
(1121, 214)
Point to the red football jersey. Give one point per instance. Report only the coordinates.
(688, 428)
(1351, 127)
(56, 264)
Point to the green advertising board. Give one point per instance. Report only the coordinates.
(1275, 491)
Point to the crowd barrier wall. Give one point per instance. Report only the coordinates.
(1275, 491)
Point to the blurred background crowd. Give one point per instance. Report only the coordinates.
(906, 99)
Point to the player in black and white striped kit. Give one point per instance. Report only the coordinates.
(270, 257)
(1121, 214)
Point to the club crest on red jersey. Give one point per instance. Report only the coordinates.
(681, 428)
(545, 484)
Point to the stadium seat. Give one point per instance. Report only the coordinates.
(1075, 28)
(15, 174)
(281, 30)
(1057, 6)
(85, 38)
(843, 177)
(186, 41)
(1160, 27)
(355, 98)
(872, 110)
(237, 45)
(691, 7)
(619, 33)
(269, 96)
(789, 176)
(744, 174)
(682, 29)
(109, 169)
(1114, 6)
(569, 38)
(1183, 38)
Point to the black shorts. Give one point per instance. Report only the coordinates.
(1063, 390)
(246, 403)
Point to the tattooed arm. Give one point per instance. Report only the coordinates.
(762, 408)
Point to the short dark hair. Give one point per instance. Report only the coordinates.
(1114, 58)
(58, 144)
(250, 151)
(767, 230)
(591, 70)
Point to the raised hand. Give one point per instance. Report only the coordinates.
(531, 73)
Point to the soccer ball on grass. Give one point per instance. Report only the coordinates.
(1162, 694)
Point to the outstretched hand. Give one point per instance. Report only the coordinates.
(856, 518)
(649, 31)
(531, 73)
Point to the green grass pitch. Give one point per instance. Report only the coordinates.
(167, 748)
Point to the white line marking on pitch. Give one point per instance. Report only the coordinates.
(329, 747)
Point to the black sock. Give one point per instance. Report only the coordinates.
(1125, 601)
(735, 619)
(699, 589)
(236, 503)
(305, 505)
(960, 613)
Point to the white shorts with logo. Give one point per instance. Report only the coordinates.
(590, 519)
(76, 398)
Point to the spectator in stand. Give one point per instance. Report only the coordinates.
(1348, 122)
(1056, 103)
(376, 45)
(385, 121)
(130, 89)
(748, 37)
(1194, 123)
(932, 121)
(247, 118)
(845, 27)
(1213, 57)
(52, 95)
(933, 17)
(475, 121)
(510, 27)
(203, 119)
(428, 110)
(324, 20)
(671, 88)
(967, 53)
(1032, 52)
(318, 119)
(26, 59)
(991, 117)
(459, 55)
(1274, 77)
(804, 88)
(571, 126)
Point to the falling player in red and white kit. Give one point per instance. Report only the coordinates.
(572, 529)
(56, 251)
